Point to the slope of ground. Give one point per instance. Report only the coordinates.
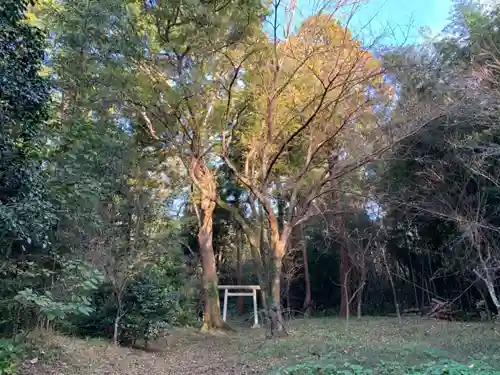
(366, 342)
(183, 352)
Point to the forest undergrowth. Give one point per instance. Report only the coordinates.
(315, 346)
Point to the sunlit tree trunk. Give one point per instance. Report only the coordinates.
(278, 248)
(211, 314)
(205, 183)
(276, 313)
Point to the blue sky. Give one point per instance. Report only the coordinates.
(400, 15)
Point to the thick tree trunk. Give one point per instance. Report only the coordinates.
(359, 311)
(116, 327)
(211, 314)
(118, 317)
(276, 313)
(278, 249)
(205, 182)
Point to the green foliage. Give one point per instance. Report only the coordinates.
(157, 301)
(9, 357)
(392, 368)
(25, 213)
(32, 294)
(70, 295)
(140, 92)
(154, 301)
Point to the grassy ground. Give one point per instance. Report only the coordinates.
(366, 343)
(372, 340)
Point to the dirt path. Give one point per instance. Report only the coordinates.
(185, 353)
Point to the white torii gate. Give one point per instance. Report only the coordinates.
(253, 293)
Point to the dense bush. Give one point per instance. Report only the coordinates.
(153, 301)
(9, 357)
(69, 294)
(32, 295)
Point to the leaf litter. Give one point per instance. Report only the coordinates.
(184, 352)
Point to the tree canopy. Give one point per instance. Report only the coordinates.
(153, 150)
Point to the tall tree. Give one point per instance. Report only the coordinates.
(103, 178)
(25, 212)
(308, 95)
(442, 184)
(175, 97)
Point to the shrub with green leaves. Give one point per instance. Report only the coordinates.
(152, 308)
(70, 294)
(9, 357)
(155, 300)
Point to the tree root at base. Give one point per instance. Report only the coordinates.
(223, 326)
